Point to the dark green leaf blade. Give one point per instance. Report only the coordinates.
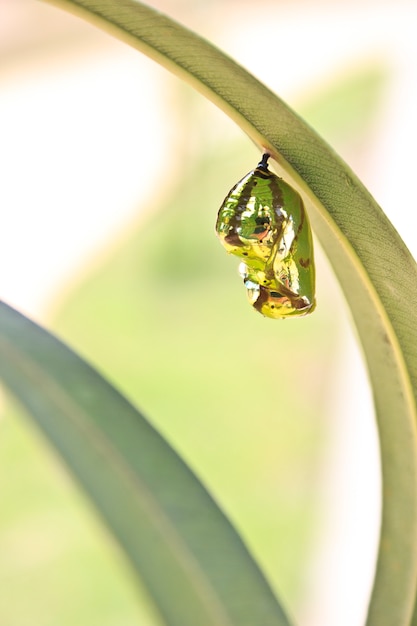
(194, 564)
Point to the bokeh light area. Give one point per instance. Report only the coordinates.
(112, 175)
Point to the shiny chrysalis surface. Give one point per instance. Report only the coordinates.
(263, 221)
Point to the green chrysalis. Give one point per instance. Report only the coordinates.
(263, 221)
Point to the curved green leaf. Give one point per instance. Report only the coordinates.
(376, 271)
(193, 562)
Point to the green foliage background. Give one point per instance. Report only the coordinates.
(164, 316)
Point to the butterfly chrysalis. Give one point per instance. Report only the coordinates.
(263, 222)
